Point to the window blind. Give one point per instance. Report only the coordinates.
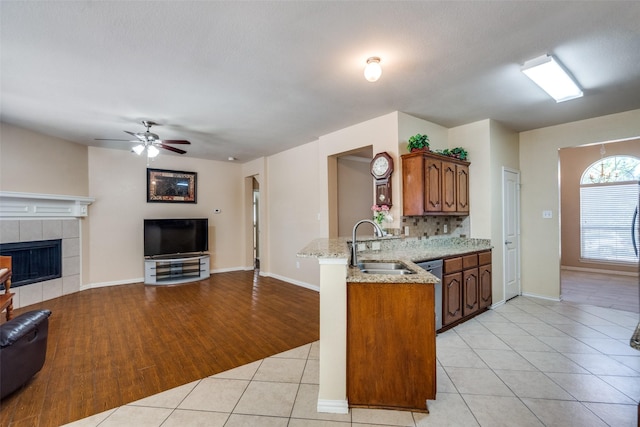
(606, 216)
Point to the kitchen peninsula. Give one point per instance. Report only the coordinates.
(342, 290)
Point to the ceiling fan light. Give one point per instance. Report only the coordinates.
(152, 151)
(547, 73)
(138, 149)
(373, 70)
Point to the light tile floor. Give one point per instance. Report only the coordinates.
(529, 362)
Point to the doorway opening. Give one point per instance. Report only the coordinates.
(256, 224)
(354, 188)
(597, 259)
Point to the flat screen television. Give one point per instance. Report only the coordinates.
(175, 236)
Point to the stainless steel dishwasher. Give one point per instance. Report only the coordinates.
(435, 267)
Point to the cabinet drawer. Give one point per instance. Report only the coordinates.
(452, 265)
(469, 261)
(484, 258)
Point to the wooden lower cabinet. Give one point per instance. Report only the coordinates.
(471, 302)
(466, 287)
(451, 298)
(485, 286)
(391, 345)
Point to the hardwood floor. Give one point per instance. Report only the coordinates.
(602, 290)
(113, 345)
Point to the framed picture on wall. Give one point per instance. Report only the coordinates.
(167, 186)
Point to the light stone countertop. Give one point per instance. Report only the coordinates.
(406, 249)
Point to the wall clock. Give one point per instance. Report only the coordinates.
(381, 169)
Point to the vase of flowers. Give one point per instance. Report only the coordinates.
(381, 213)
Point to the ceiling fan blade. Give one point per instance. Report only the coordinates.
(140, 138)
(170, 148)
(175, 141)
(109, 139)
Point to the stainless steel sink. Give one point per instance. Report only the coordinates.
(384, 267)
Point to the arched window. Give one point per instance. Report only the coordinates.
(609, 209)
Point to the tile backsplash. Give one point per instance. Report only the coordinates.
(421, 226)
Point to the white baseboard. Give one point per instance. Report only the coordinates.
(333, 406)
(292, 281)
(527, 294)
(114, 283)
(497, 304)
(228, 269)
(218, 270)
(600, 270)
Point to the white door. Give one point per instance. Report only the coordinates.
(511, 232)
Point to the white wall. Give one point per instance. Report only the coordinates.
(34, 163)
(491, 147)
(539, 179)
(293, 205)
(382, 134)
(476, 139)
(504, 153)
(410, 125)
(117, 180)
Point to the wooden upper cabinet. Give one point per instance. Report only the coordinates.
(413, 190)
(462, 188)
(434, 185)
(449, 187)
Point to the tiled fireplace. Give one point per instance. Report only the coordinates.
(28, 230)
(26, 217)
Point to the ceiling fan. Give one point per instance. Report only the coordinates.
(150, 142)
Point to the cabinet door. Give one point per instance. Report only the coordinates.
(413, 181)
(471, 299)
(448, 187)
(462, 188)
(451, 298)
(485, 286)
(391, 359)
(432, 185)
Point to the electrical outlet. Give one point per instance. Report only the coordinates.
(362, 246)
(445, 228)
(547, 214)
(406, 230)
(375, 246)
(297, 264)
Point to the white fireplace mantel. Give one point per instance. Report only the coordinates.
(23, 205)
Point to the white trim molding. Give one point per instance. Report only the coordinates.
(333, 406)
(22, 205)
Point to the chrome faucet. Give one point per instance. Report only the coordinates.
(354, 245)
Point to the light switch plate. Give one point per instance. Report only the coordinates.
(375, 246)
(547, 214)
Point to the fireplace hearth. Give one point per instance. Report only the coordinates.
(34, 262)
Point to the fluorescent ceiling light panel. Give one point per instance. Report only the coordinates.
(547, 73)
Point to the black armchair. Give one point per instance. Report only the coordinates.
(23, 347)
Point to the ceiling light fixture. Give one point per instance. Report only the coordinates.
(547, 73)
(373, 70)
(152, 151)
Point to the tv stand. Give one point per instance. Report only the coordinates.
(175, 269)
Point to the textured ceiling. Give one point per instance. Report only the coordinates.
(249, 79)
